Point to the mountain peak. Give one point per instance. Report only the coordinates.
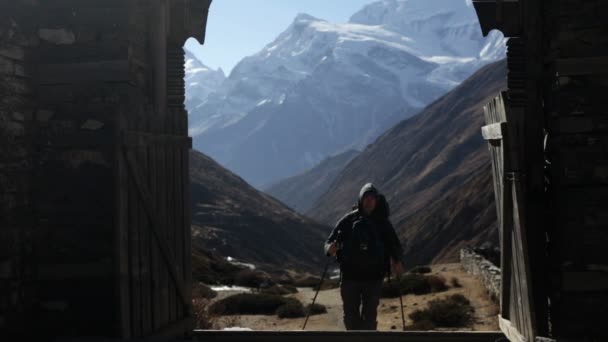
(394, 13)
(438, 27)
(304, 17)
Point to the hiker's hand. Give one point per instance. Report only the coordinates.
(333, 248)
(397, 267)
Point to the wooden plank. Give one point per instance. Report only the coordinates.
(145, 243)
(510, 331)
(496, 134)
(493, 131)
(171, 226)
(186, 228)
(521, 241)
(156, 222)
(135, 306)
(506, 251)
(162, 208)
(178, 219)
(121, 258)
(155, 257)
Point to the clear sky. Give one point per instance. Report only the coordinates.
(239, 28)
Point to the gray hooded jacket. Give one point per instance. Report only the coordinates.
(380, 216)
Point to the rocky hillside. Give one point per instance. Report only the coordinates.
(434, 169)
(321, 88)
(300, 192)
(233, 219)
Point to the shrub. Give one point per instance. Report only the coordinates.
(279, 290)
(452, 311)
(307, 282)
(290, 288)
(415, 284)
(203, 291)
(251, 278)
(291, 309)
(437, 283)
(455, 282)
(421, 270)
(421, 326)
(316, 309)
(283, 279)
(248, 304)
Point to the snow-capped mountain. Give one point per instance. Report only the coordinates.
(321, 88)
(200, 81)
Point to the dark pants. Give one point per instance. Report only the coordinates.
(360, 299)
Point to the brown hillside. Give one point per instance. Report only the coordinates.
(434, 169)
(233, 219)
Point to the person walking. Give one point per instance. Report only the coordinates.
(367, 249)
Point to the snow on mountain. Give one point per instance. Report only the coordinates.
(321, 88)
(200, 81)
(436, 27)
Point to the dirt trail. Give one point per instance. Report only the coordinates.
(389, 315)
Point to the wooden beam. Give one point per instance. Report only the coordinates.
(493, 131)
(121, 241)
(503, 15)
(510, 331)
(350, 336)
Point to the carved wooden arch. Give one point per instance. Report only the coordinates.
(502, 15)
(188, 18)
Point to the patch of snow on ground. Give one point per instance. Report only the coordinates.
(220, 288)
(238, 263)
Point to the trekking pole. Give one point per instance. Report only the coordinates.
(316, 294)
(400, 297)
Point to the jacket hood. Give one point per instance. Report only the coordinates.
(382, 210)
(369, 187)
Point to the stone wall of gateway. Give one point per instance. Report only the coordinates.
(17, 113)
(487, 272)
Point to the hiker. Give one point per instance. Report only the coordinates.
(367, 248)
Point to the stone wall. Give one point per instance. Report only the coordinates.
(81, 83)
(487, 272)
(17, 110)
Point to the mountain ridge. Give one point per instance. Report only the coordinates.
(302, 190)
(232, 219)
(333, 86)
